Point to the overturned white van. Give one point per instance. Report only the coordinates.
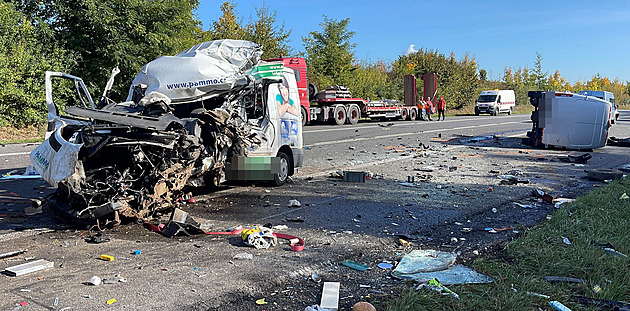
(494, 102)
(567, 120)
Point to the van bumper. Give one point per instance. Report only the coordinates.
(489, 109)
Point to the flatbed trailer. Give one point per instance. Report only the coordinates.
(335, 105)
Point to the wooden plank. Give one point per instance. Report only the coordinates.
(29, 267)
(330, 295)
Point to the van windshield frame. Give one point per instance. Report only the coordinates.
(487, 98)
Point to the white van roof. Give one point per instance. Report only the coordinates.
(493, 92)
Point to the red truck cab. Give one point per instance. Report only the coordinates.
(299, 67)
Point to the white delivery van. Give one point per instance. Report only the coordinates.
(567, 120)
(494, 102)
(607, 96)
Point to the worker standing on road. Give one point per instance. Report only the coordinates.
(441, 107)
(428, 107)
(421, 104)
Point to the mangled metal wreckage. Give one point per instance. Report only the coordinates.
(211, 113)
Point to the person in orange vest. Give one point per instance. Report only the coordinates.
(429, 108)
(421, 104)
(441, 107)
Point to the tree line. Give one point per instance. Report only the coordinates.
(88, 38)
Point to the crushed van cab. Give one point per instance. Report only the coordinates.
(210, 114)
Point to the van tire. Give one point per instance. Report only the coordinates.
(280, 179)
(510, 110)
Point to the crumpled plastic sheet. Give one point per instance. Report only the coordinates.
(424, 261)
(457, 274)
(424, 265)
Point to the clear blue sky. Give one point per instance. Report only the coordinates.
(578, 38)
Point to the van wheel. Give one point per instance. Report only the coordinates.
(510, 111)
(281, 177)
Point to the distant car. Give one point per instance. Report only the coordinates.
(607, 96)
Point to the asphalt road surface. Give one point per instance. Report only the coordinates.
(455, 164)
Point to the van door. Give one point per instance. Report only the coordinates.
(284, 107)
(63, 91)
(498, 104)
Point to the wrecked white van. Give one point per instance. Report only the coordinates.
(209, 114)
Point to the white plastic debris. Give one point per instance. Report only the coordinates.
(244, 256)
(566, 241)
(95, 280)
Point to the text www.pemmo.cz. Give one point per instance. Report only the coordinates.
(195, 84)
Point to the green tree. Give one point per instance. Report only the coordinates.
(329, 53)
(228, 26)
(126, 33)
(538, 76)
(265, 32)
(369, 80)
(26, 52)
(483, 75)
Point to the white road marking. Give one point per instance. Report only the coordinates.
(13, 154)
(324, 143)
(516, 135)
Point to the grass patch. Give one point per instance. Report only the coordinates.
(597, 217)
(29, 134)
